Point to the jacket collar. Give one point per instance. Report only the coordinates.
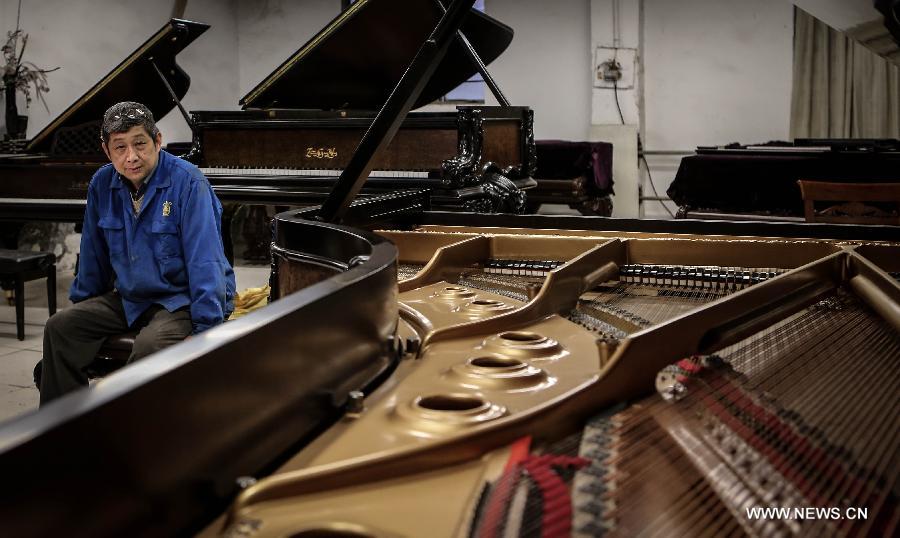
(157, 180)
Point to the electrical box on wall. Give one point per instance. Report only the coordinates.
(614, 68)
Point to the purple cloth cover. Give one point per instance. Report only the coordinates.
(564, 159)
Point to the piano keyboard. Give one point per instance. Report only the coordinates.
(44, 201)
(323, 172)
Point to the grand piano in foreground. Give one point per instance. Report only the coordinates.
(700, 376)
(448, 374)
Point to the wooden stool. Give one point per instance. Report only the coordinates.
(20, 266)
(112, 356)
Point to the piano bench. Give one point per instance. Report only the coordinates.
(20, 266)
(112, 355)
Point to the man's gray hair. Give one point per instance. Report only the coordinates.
(123, 116)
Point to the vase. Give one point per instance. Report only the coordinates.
(9, 98)
(21, 128)
(15, 123)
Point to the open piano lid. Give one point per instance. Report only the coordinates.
(355, 61)
(134, 79)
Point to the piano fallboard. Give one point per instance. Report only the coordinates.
(38, 177)
(307, 139)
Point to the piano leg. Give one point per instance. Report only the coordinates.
(9, 239)
(228, 211)
(256, 232)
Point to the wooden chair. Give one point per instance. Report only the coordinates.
(851, 203)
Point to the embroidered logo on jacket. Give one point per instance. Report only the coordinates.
(167, 208)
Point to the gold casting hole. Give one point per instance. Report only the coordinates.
(454, 288)
(331, 533)
(486, 302)
(521, 336)
(450, 402)
(495, 362)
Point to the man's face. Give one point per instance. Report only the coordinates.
(133, 153)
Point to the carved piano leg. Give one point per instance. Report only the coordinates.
(500, 194)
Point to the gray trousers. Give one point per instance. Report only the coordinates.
(74, 335)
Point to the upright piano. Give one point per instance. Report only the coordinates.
(449, 374)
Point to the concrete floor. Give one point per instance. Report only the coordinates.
(18, 394)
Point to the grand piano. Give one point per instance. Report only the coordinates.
(300, 125)
(760, 181)
(447, 374)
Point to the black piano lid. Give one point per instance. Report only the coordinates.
(355, 61)
(132, 80)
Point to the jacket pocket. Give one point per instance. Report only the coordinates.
(114, 233)
(166, 240)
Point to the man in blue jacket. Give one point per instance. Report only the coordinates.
(151, 255)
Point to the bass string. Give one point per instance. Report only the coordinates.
(876, 370)
(825, 381)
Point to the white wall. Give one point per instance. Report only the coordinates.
(88, 39)
(841, 14)
(616, 111)
(716, 71)
(270, 31)
(211, 63)
(626, 35)
(548, 64)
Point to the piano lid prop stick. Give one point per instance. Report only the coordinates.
(389, 118)
(479, 63)
(175, 98)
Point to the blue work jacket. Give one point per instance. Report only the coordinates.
(169, 254)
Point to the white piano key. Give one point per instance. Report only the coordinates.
(307, 172)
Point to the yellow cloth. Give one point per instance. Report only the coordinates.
(249, 300)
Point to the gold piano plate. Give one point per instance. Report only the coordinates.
(623, 332)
